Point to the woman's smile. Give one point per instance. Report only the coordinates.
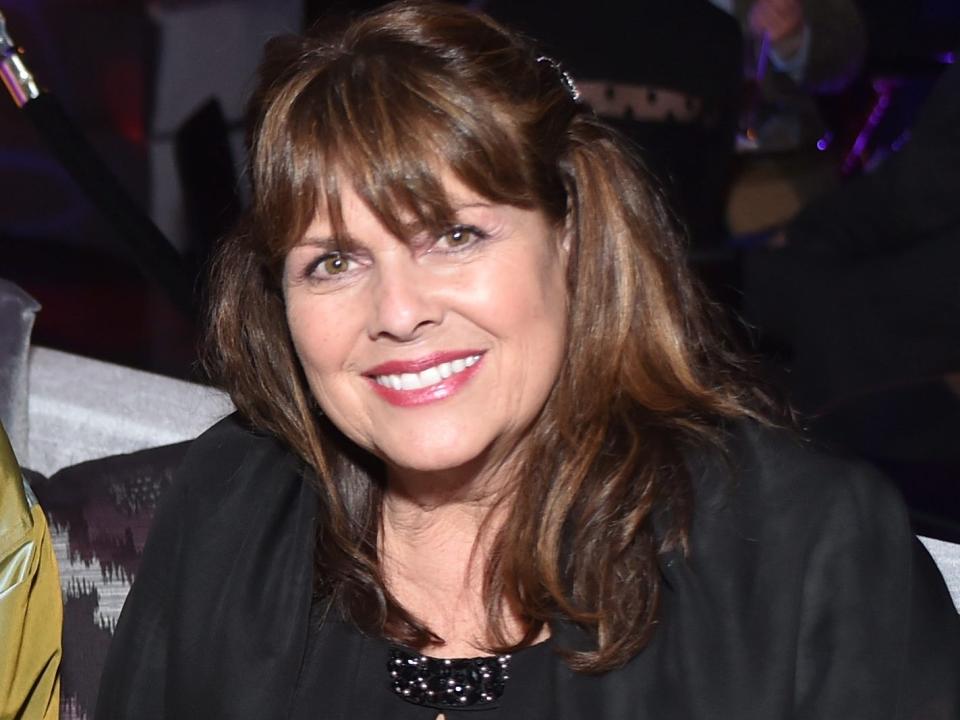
(427, 379)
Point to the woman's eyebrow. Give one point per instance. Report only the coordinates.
(329, 242)
(458, 206)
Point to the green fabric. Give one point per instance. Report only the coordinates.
(31, 607)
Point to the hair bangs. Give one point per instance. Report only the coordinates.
(390, 131)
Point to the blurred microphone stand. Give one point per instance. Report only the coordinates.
(150, 249)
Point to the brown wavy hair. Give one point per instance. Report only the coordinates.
(389, 100)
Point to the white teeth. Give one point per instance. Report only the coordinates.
(428, 377)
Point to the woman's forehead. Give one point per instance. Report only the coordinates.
(340, 206)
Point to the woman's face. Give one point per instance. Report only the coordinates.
(432, 353)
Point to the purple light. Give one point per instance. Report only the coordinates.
(897, 144)
(824, 142)
(947, 58)
(884, 88)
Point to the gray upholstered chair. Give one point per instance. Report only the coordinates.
(104, 441)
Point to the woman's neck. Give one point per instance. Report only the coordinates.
(436, 534)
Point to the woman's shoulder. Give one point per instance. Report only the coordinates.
(782, 474)
(232, 457)
(231, 538)
(775, 496)
(795, 547)
(231, 440)
(232, 483)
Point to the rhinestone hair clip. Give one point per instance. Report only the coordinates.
(566, 79)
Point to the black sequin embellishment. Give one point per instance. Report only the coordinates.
(447, 683)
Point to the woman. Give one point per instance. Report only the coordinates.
(489, 454)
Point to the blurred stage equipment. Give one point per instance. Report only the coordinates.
(148, 247)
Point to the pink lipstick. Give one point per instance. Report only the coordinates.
(408, 383)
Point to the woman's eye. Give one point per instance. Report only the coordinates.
(330, 264)
(460, 236)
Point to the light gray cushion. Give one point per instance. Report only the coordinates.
(82, 409)
(947, 557)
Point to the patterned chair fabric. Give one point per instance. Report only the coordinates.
(99, 514)
(104, 441)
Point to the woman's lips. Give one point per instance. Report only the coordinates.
(424, 380)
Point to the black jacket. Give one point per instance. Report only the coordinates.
(805, 595)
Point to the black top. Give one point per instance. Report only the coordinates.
(344, 668)
(804, 595)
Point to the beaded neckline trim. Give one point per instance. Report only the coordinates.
(447, 683)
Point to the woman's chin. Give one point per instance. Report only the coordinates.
(439, 460)
(458, 464)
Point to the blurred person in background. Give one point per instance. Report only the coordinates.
(794, 51)
(799, 47)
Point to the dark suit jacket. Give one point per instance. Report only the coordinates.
(804, 595)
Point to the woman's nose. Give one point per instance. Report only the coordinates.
(406, 301)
